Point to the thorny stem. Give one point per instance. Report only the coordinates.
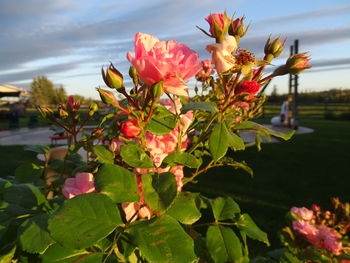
(195, 174)
(150, 111)
(234, 84)
(259, 72)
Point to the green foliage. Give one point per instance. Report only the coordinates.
(136, 157)
(182, 158)
(246, 224)
(219, 141)
(118, 183)
(163, 240)
(224, 245)
(103, 154)
(159, 190)
(33, 234)
(162, 122)
(184, 208)
(201, 105)
(84, 220)
(225, 208)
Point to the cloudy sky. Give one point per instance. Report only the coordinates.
(69, 40)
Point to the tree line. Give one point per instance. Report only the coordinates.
(44, 92)
(310, 97)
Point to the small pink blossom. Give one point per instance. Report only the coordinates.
(115, 145)
(303, 213)
(206, 70)
(82, 183)
(304, 228)
(327, 238)
(169, 61)
(222, 54)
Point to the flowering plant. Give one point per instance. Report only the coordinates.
(315, 235)
(128, 201)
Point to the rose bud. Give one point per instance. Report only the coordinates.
(219, 24)
(93, 108)
(72, 104)
(107, 97)
(130, 128)
(273, 49)
(113, 78)
(237, 29)
(206, 70)
(251, 87)
(297, 63)
(133, 75)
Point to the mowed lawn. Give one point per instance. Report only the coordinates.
(308, 169)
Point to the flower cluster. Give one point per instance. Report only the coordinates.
(320, 232)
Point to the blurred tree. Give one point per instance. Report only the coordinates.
(42, 90)
(60, 95)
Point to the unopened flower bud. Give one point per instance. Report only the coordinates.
(157, 89)
(107, 97)
(133, 75)
(62, 113)
(113, 78)
(237, 28)
(71, 104)
(297, 63)
(130, 128)
(46, 113)
(219, 24)
(93, 108)
(273, 49)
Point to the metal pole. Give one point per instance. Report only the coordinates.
(289, 97)
(295, 97)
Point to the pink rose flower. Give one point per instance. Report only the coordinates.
(304, 228)
(169, 61)
(303, 213)
(82, 183)
(130, 128)
(327, 238)
(222, 54)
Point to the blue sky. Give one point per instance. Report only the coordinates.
(69, 40)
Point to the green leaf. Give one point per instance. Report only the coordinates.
(37, 148)
(159, 190)
(33, 234)
(7, 258)
(163, 240)
(118, 183)
(163, 121)
(184, 208)
(288, 257)
(224, 245)
(58, 254)
(249, 125)
(202, 105)
(235, 142)
(104, 155)
(247, 225)
(84, 220)
(134, 156)
(182, 158)
(28, 173)
(218, 141)
(25, 195)
(225, 208)
(89, 258)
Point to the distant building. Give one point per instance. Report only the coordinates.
(9, 91)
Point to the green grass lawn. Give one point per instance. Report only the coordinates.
(310, 168)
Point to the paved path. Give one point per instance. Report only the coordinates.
(34, 136)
